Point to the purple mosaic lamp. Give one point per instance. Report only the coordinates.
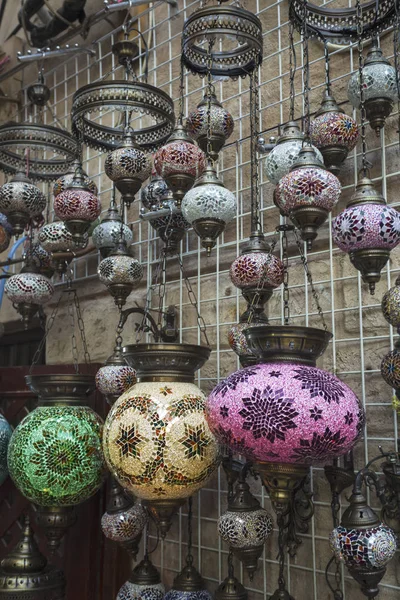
(116, 376)
(390, 365)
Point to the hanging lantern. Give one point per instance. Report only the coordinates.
(188, 585)
(25, 574)
(307, 194)
(364, 544)
(57, 239)
(107, 235)
(221, 124)
(28, 291)
(121, 273)
(144, 583)
(379, 85)
(127, 167)
(245, 526)
(64, 182)
(5, 435)
(54, 455)
(180, 162)
(154, 193)
(286, 152)
(124, 521)
(6, 231)
(390, 368)
(286, 414)
(367, 230)
(208, 207)
(391, 304)
(78, 207)
(157, 443)
(116, 377)
(334, 133)
(20, 201)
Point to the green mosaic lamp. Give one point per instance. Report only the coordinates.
(54, 455)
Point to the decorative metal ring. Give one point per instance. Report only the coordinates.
(224, 23)
(339, 25)
(133, 96)
(59, 145)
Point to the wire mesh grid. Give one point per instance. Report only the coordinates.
(361, 335)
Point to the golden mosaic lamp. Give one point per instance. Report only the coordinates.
(156, 441)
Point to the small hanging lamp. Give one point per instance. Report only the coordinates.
(107, 234)
(144, 583)
(245, 526)
(128, 167)
(116, 377)
(65, 181)
(25, 574)
(5, 435)
(57, 239)
(154, 193)
(123, 521)
(20, 201)
(120, 273)
(222, 124)
(379, 87)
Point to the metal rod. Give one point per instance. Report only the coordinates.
(45, 53)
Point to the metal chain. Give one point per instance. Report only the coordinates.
(360, 46)
(75, 357)
(327, 69)
(147, 307)
(310, 279)
(211, 43)
(81, 326)
(49, 325)
(283, 229)
(396, 31)
(281, 551)
(189, 557)
(181, 88)
(306, 73)
(260, 285)
(292, 69)
(162, 289)
(254, 168)
(193, 301)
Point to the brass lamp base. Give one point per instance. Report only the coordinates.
(256, 299)
(18, 222)
(280, 480)
(308, 219)
(370, 262)
(120, 293)
(281, 595)
(334, 157)
(61, 264)
(377, 111)
(179, 184)
(66, 388)
(368, 580)
(249, 557)
(55, 520)
(78, 228)
(172, 237)
(162, 511)
(126, 51)
(216, 143)
(339, 479)
(231, 589)
(208, 231)
(27, 312)
(128, 188)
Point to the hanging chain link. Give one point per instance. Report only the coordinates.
(292, 69)
(73, 303)
(162, 289)
(327, 68)
(49, 325)
(70, 308)
(310, 279)
(254, 168)
(260, 285)
(306, 73)
(181, 88)
(81, 327)
(283, 229)
(396, 31)
(360, 45)
(211, 43)
(189, 557)
(193, 301)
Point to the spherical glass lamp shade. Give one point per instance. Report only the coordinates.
(285, 153)
(75, 203)
(334, 133)
(55, 237)
(390, 368)
(208, 207)
(183, 595)
(124, 526)
(128, 167)
(157, 442)
(28, 291)
(188, 584)
(380, 88)
(287, 413)
(180, 162)
(20, 201)
(121, 273)
(221, 125)
(5, 233)
(367, 230)
(391, 305)
(154, 193)
(144, 583)
(238, 342)
(54, 455)
(367, 548)
(256, 269)
(307, 194)
(115, 377)
(65, 181)
(109, 232)
(5, 436)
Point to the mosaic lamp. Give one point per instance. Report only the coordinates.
(25, 574)
(245, 526)
(115, 377)
(256, 272)
(108, 233)
(286, 413)
(20, 201)
(221, 125)
(285, 153)
(170, 226)
(390, 365)
(128, 167)
(307, 194)
(364, 544)
(180, 162)
(6, 231)
(154, 193)
(78, 207)
(380, 88)
(391, 304)
(28, 291)
(65, 181)
(54, 456)
(143, 584)
(123, 521)
(57, 239)
(334, 133)
(120, 273)
(157, 442)
(367, 230)
(5, 435)
(208, 207)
